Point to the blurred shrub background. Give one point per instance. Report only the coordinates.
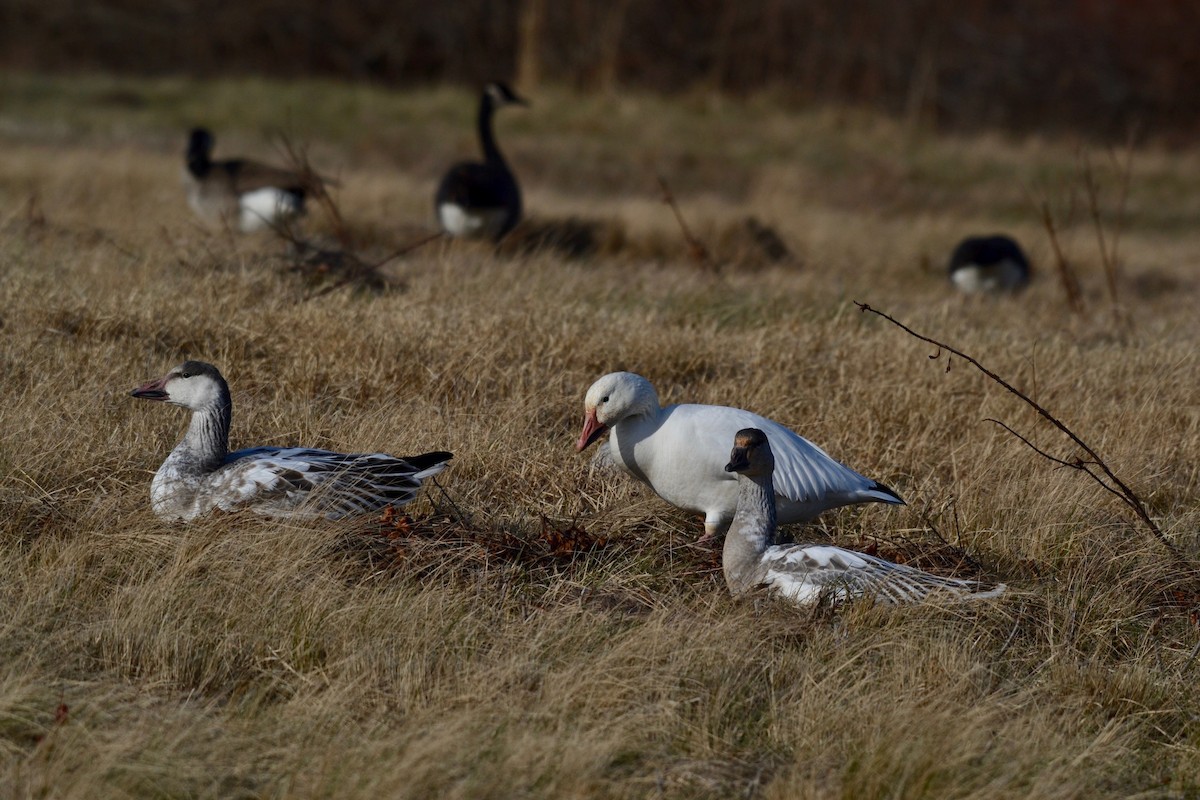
(1098, 67)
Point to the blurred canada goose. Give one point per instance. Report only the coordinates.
(680, 452)
(242, 193)
(201, 474)
(481, 199)
(804, 573)
(989, 264)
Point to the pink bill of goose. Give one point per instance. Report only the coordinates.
(805, 573)
(202, 475)
(680, 451)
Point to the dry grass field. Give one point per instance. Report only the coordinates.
(534, 629)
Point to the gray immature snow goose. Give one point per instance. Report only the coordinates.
(481, 199)
(680, 451)
(201, 475)
(804, 573)
(244, 194)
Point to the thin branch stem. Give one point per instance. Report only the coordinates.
(696, 248)
(1129, 497)
(1066, 275)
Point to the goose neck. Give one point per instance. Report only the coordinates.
(751, 532)
(207, 437)
(491, 151)
(198, 163)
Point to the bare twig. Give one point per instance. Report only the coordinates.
(353, 268)
(696, 249)
(1108, 247)
(1115, 485)
(1066, 274)
(318, 186)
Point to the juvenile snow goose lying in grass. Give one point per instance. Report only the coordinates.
(201, 474)
(989, 265)
(680, 452)
(244, 194)
(804, 573)
(481, 199)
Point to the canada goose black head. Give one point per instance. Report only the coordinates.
(498, 94)
(199, 151)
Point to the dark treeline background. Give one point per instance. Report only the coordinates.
(1099, 67)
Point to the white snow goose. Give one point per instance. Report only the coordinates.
(244, 194)
(805, 573)
(680, 452)
(201, 475)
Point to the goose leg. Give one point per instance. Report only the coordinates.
(714, 526)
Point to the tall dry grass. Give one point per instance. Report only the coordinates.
(460, 656)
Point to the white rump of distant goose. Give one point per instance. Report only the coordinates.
(989, 265)
(680, 452)
(201, 475)
(806, 573)
(242, 193)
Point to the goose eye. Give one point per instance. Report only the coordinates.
(604, 399)
(183, 373)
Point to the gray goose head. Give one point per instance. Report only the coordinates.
(194, 385)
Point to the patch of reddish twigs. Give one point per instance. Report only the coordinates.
(1093, 466)
(332, 267)
(397, 539)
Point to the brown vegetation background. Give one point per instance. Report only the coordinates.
(1100, 67)
(537, 629)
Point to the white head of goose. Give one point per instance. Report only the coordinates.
(804, 573)
(243, 194)
(201, 475)
(680, 451)
(481, 199)
(989, 265)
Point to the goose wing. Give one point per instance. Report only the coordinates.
(804, 473)
(281, 480)
(247, 176)
(804, 573)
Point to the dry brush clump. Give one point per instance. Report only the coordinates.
(532, 625)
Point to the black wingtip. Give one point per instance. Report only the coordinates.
(896, 499)
(427, 460)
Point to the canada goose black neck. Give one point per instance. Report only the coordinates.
(491, 151)
(199, 152)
